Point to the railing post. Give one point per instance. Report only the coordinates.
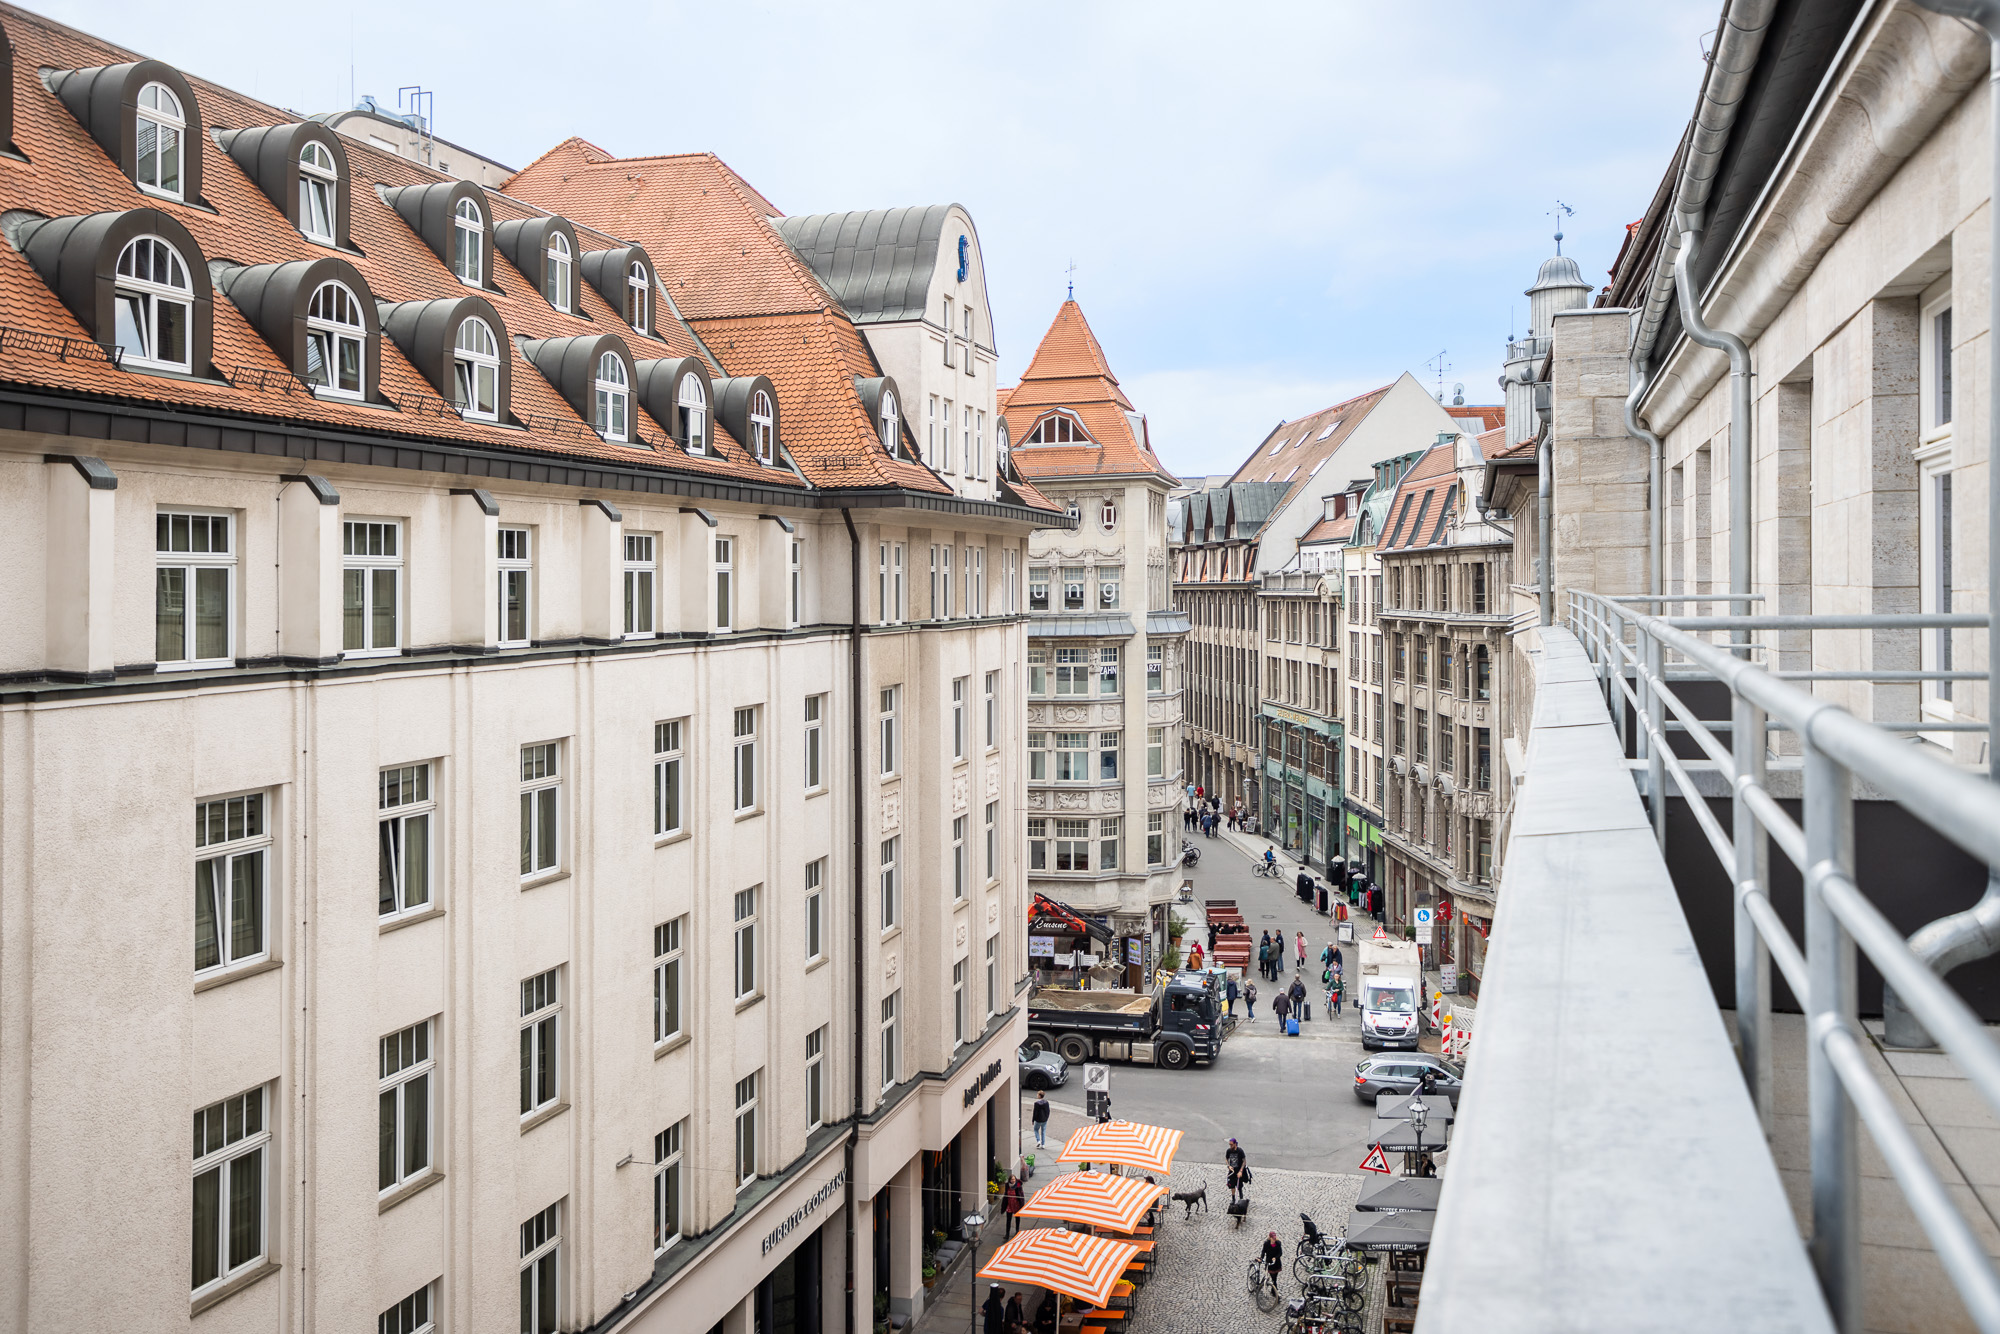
(1836, 1181)
(1753, 863)
(1656, 754)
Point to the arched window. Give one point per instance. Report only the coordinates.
(162, 131)
(1075, 512)
(613, 398)
(559, 273)
(317, 179)
(1107, 515)
(636, 291)
(889, 421)
(693, 407)
(154, 304)
(476, 370)
(468, 252)
(763, 418)
(334, 330)
(1057, 430)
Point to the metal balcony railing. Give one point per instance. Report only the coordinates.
(1637, 659)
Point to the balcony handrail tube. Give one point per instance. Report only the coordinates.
(1631, 598)
(1936, 620)
(1784, 951)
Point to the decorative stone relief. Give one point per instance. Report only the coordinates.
(1073, 801)
(960, 790)
(889, 966)
(1071, 713)
(1038, 801)
(1156, 708)
(958, 934)
(1109, 713)
(1161, 795)
(892, 808)
(1111, 799)
(992, 911)
(992, 780)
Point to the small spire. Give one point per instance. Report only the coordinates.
(1071, 271)
(1559, 212)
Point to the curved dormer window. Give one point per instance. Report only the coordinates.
(318, 180)
(153, 305)
(559, 273)
(334, 333)
(162, 133)
(888, 414)
(614, 399)
(763, 418)
(468, 247)
(693, 407)
(476, 370)
(1058, 429)
(637, 290)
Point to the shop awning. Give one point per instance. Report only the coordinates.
(1047, 916)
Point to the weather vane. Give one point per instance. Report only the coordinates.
(1560, 211)
(1071, 271)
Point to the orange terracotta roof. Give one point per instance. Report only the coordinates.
(1488, 415)
(1493, 443)
(1295, 451)
(1069, 372)
(1330, 530)
(68, 174)
(1424, 498)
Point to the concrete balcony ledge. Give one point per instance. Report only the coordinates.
(1607, 1171)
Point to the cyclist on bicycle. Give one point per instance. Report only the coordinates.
(1270, 862)
(1274, 1257)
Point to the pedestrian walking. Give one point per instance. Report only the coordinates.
(1238, 1164)
(1187, 817)
(1250, 1000)
(1298, 995)
(1302, 951)
(1017, 1315)
(1333, 994)
(994, 1313)
(1194, 956)
(1229, 994)
(1041, 1118)
(1281, 1007)
(1012, 1197)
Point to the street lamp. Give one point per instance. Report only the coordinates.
(973, 1225)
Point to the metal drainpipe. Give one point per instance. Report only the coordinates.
(1545, 471)
(1974, 933)
(860, 898)
(1740, 406)
(1656, 767)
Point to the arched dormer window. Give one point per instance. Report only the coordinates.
(476, 370)
(559, 272)
(763, 420)
(162, 136)
(613, 418)
(637, 294)
(1075, 512)
(335, 330)
(623, 276)
(1002, 450)
(1058, 428)
(319, 179)
(468, 243)
(692, 405)
(153, 305)
(888, 419)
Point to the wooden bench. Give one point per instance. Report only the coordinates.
(1399, 1322)
(1403, 1285)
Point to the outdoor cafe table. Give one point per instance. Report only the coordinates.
(1390, 1194)
(1401, 1137)
(1437, 1107)
(1409, 1230)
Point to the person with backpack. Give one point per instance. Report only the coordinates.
(1012, 1197)
(1041, 1118)
(1282, 1008)
(1238, 1164)
(1250, 1000)
(1298, 996)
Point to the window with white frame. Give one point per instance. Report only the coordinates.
(1107, 754)
(890, 732)
(961, 869)
(541, 1041)
(1156, 674)
(1038, 588)
(816, 1077)
(992, 709)
(1073, 673)
(965, 433)
(162, 135)
(888, 411)
(669, 981)
(937, 602)
(743, 769)
(746, 1130)
(468, 251)
(1072, 845)
(1109, 581)
(667, 1186)
(958, 738)
(763, 423)
(194, 595)
(945, 569)
(1010, 581)
(883, 603)
(892, 1047)
(1108, 835)
(404, 825)
(975, 581)
(559, 272)
(667, 778)
(1156, 752)
(958, 1002)
(892, 894)
(413, 1315)
(796, 576)
(1038, 671)
(641, 578)
(1934, 459)
(1038, 843)
(371, 585)
(152, 306)
(691, 402)
(992, 841)
(516, 565)
(1074, 582)
(815, 712)
(815, 910)
(1107, 516)
(404, 1094)
(614, 398)
(1108, 662)
(541, 1271)
(745, 952)
(232, 874)
(725, 583)
(335, 330)
(541, 808)
(1156, 839)
(475, 371)
(946, 463)
(976, 464)
(992, 976)
(1038, 757)
(638, 298)
(230, 1160)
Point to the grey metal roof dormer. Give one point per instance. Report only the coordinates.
(878, 263)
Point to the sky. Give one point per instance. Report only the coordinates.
(1270, 207)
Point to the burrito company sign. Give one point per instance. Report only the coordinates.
(805, 1211)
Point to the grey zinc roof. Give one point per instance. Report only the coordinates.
(1254, 503)
(877, 262)
(1078, 627)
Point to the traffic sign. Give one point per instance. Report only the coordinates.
(1423, 918)
(1375, 1162)
(1096, 1078)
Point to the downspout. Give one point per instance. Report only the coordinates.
(1974, 933)
(1545, 473)
(860, 896)
(1642, 380)
(1740, 405)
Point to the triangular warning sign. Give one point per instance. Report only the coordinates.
(1375, 1162)
(1380, 934)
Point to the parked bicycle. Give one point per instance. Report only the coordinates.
(1190, 854)
(1304, 1316)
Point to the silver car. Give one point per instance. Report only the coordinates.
(1042, 1069)
(1400, 1071)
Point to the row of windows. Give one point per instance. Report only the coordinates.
(1072, 671)
(1440, 587)
(957, 582)
(1468, 673)
(1076, 580)
(952, 444)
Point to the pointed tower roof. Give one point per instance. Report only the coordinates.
(1068, 417)
(1069, 349)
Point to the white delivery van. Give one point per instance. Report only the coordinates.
(1389, 993)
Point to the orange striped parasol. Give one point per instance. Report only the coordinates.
(1148, 1148)
(1096, 1198)
(1086, 1268)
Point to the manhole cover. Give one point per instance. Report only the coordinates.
(1268, 917)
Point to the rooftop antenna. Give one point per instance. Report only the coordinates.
(1559, 212)
(1071, 271)
(1441, 366)
(423, 104)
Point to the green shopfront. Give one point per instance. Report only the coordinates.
(1301, 796)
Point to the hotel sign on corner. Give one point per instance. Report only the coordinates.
(981, 1082)
(806, 1210)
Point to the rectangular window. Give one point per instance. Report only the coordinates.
(403, 1140)
(1423, 744)
(541, 1023)
(815, 876)
(945, 579)
(815, 712)
(669, 980)
(1107, 755)
(1072, 757)
(958, 1016)
(1940, 562)
(1402, 730)
(1038, 671)
(897, 591)
(976, 465)
(1073, 581)
(992, 976)
(1038, 757)
(725, 574)
(992, 709)
(667, 771)
(975, 580)
(1038, 588)
(1156, 676)
(892, 1049)
(641, 577)
(1941, 341)
(412, 1315)
(961, 867)
(1072, 845)
(745, 954)
(816, 1077)
(1156, 839)
(403, 836)
(891, 889)
(230, 1138)
(937, 601)
(1038, 844)
(992, 841)
(371, 585)
(884, 605)
(959, 686)
(744, 768)
(1108, 835)
(1482, 743)
(890, 736)
(516, 587)
(931, 434)
(1109, 580)
(1156, 752)
(1073, 671)
(668, 1188)
(194, 589)
(541, 808)
(231, 881)
(541, 1271)
(1010, 581)
(1444, 746)
(1108, 660)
